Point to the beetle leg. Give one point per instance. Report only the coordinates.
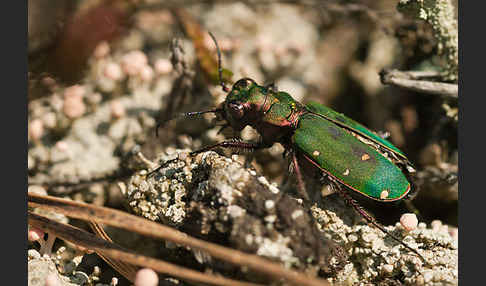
(371, 220)
(225, 144)
(233, 144)
(300, 181)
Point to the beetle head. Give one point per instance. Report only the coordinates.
(237, 108)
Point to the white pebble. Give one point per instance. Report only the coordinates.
(269, 204)
(409, 221)
(36, 129)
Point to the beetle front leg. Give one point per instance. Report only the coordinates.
(249, 146)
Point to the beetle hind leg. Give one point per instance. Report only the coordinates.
(372, 221)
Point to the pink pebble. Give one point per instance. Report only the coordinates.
(52, 280)
(101, 50)
(117, 109)
(113, 71)
(74, 91)
(146, 73)
(409, 221)
(264, 44)
(133, 62)
(146, 277)
(36, 129)
(163, 66)
(49, 120)
(62, 146)
(35, 234)
(74, 107)
(454, 232)
(48, 81)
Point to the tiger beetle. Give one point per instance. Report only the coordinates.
(345, 152)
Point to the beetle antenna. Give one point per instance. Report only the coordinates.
(220, 69)
(185, 114)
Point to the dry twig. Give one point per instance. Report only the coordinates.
(410, 80)
(109, 249)
(143, 226)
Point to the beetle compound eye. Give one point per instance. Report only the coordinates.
(236, 110)
(243, 83)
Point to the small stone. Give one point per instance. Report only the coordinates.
(352, 237)
(36, 129)
(346, 172)
(428, 276)
(33, 254)
(37, 190)
(133, 62)
(436, 225)
(52, 280)
(316, 153)
(365, 157)
(101, 50)
(146, 73)
(49, 119)
(62, 146)
(387, 268)
(269, 204)
(113, 71)
(74, 106)
(146, 277)
(35, 234)
(409, 221)
(117, 109)
(163, 66)
(74, 91)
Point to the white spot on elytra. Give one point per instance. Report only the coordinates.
(384, 194)
(269, 204)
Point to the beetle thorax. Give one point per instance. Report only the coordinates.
(273, 114)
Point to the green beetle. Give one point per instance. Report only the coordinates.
(340, 147)
(314, 135)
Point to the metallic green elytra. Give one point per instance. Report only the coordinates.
(352, 162)
(338, 145)
(346, 122)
